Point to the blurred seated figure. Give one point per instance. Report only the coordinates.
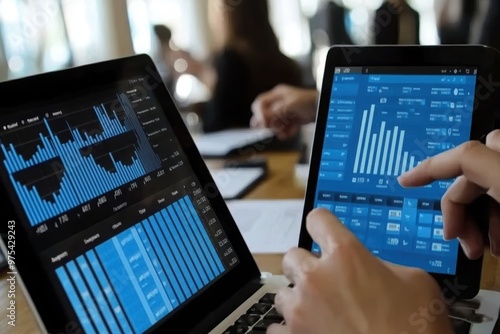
(490, 34)
(330, 18)
(396, 23)
(246, 63)
(168, 73)
(454, 20)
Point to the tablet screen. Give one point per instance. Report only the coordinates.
(383, 121)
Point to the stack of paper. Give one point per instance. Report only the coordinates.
(268, 226)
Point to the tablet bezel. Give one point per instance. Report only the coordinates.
(54, 85)
(468, 274)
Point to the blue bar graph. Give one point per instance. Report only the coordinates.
(72, 295)
(98, 295)
(81, 177)
(130, 282)
(381, 153)
(86, 296)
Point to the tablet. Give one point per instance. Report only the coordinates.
(382, 111)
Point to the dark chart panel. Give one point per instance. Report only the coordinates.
(55, 178)
(379, 126)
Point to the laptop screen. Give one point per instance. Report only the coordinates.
(383, 121)
(122, 225)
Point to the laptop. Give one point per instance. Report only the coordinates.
(114, 220)
(382, 111)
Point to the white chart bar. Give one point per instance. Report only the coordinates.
(412, 162)
(386, 149)
(372, 152)
(393, 150)
(400, 151)
(379, 148)
(360, 141)
(367, 139)
(405, 162)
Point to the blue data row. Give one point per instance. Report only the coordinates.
(130, 282)
(405, 230)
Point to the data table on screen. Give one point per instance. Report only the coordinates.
(144, 272)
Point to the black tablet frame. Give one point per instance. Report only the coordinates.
(466, 283)
(63, 84)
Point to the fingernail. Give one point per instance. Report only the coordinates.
(402, 180)
(465, 248)
(403, 175)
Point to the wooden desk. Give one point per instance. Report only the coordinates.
(279, 185)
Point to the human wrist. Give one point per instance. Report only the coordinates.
(312, 98)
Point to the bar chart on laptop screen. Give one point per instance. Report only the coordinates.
(50, 166)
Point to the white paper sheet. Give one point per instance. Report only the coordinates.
(490, 304)
(219, 144)
(268, 226)
(232, 182)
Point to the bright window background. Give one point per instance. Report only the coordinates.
(33, 37)
(84, 21)
(44, 35)
(291, 26)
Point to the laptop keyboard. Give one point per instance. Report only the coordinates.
(258, 317)
(263, 314)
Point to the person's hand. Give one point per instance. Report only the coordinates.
(349, 291)
(284, 109)
(477, 167)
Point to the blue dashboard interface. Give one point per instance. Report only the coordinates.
(113, 207)
(382, 122)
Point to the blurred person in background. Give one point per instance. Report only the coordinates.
(490, 34)
(396, 23)
(247, 61)
(330, 19)
(165, 65)
(454, 20)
